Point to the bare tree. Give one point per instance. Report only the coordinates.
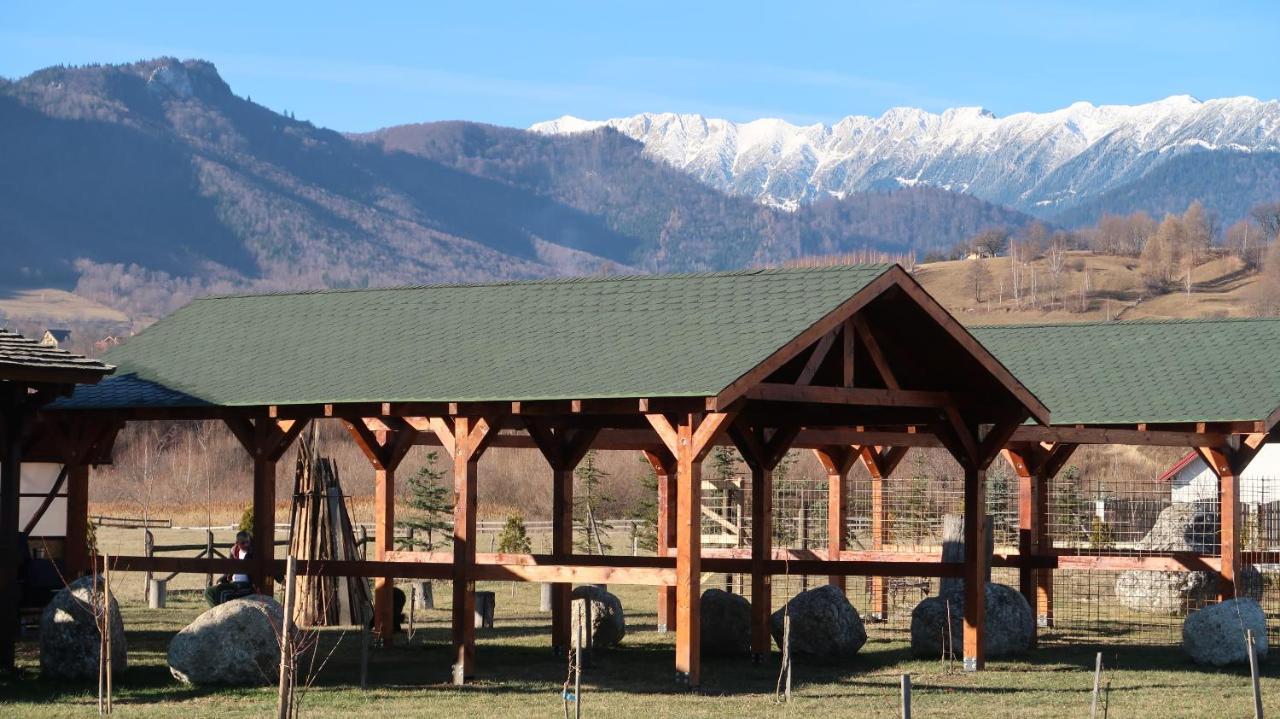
(1057, 261)
(1245, 240)
(1266, 291)
(977, 276)
(1267, 215)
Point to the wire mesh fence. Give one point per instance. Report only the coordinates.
(1125, 516)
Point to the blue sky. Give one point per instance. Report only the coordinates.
(358, 66)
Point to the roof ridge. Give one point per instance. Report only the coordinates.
(553, 281)
(1125, 323)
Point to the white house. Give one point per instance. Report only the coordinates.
(1259, 483)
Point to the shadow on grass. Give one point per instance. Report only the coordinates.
(517, 659)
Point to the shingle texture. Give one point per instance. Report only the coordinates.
(652, 336)
(28, 356)
(1145, 371)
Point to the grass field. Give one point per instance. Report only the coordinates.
(518, 676)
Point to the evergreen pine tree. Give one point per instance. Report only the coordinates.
(588, 499)
(429, 502)
(515, 537)
(644, 527)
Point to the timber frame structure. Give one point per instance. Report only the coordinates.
(31, 376)
(854, 363)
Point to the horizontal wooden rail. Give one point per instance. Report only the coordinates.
(660, 571)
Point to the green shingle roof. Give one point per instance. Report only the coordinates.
(589, 338)
(1215, 370)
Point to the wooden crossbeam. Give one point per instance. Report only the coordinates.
(872, 345)
(851, 396)
(816, 358)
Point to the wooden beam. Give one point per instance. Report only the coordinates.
(872, 346)
(1112, 435)
(816, 358)
(850, 396)
(846, 353)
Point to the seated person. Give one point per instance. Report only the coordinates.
(233, 586)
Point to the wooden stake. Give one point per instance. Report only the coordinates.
(1097, 685)
(106, 621)
(1253, 673)
(786, 656)
(413, 601)
(284, 700)
(906, 696)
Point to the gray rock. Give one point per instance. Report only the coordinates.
(1216, 635)
(726, 623)
(824, 625)
(608, 623)
(236, 643)
(1010, 623)
(69, 638)
(1182, 527)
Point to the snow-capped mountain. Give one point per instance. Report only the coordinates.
(1038, 162)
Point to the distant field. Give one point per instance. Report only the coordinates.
(518, 677)
(1115, 291)
(55, 306)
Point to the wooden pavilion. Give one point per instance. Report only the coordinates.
(31, 375)
(830, 359)
(854, 363)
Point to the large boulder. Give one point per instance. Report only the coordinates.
(824, 625)
(1010, 623)
(1183, 527)
(236, 643)
(726, 623)
(70, 641)
(608, 624)
(1216, 635)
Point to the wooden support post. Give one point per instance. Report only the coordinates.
(975, 570)
(689, 441)
(385, 449)
(836, 461)
(11, 430)
(75, 551)
(688, 556)
(264, 522)
(1228, 463)
(974, 451)
(762, 453)
(563, 448)
(880, 463)
(465, 438)
(1035, 464)
(561, 546)
(384, 534)
(761, 552)
(266, 440)
(664, 467)
(1043, 605)
(465, 480)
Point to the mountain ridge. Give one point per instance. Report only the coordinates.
(1042, 163)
